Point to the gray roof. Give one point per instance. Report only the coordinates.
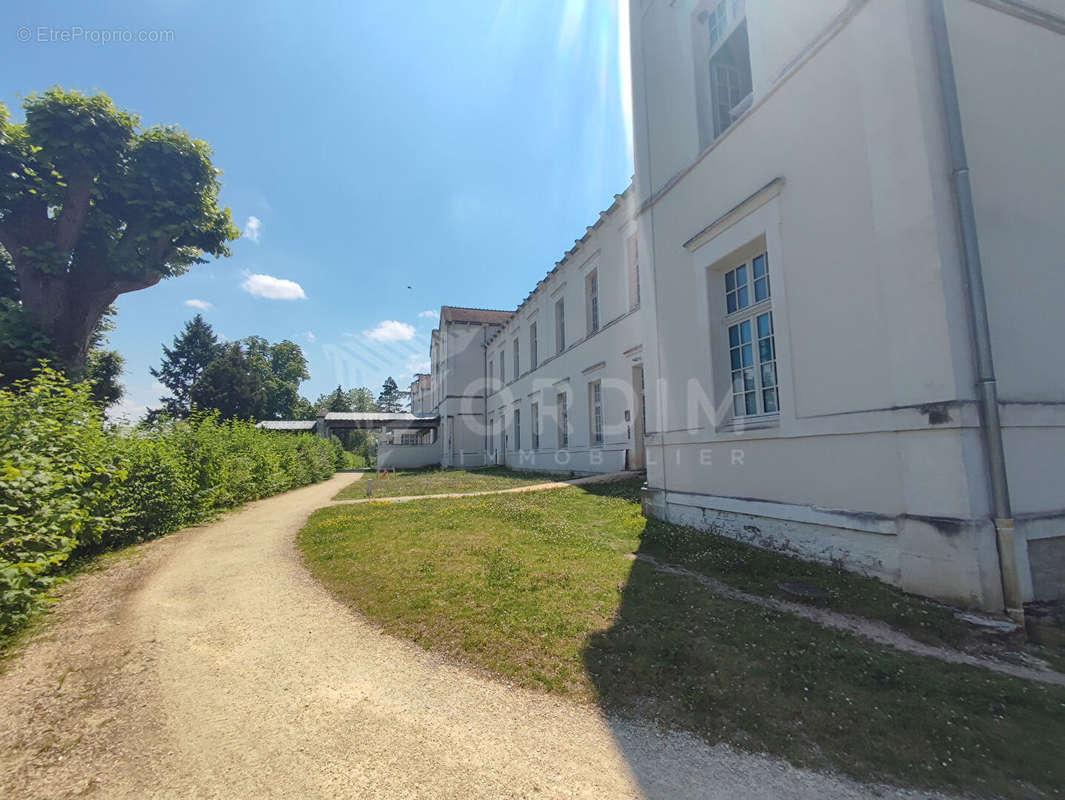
(376, 416)
(287, 424)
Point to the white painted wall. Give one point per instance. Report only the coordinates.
(868, 299)
(606, 356)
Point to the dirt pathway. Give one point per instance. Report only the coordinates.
(213, 666)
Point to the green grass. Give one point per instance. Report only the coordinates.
(538, 588)
(443, 481)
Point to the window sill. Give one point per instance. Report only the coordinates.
(751, 423)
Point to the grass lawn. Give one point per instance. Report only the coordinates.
(442, 481)
(540, 589)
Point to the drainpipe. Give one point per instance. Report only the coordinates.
(986, 386)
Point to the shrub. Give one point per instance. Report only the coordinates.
(71, 484)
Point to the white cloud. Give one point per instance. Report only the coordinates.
(311, 337)
(252, 229)
(429, 314)
(391, 331)
(273, 288)
(202, 305)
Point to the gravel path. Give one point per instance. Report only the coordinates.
(212, 666)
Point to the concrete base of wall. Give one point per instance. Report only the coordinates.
(563, 462)
(952, 560)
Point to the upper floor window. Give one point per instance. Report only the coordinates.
(502, 368)
(751, 339)
(560, 325)
(491, 375)
(591, 290)
(517, 359)
(533, 347)
(725, 84)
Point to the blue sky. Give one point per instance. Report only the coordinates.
(454, 147)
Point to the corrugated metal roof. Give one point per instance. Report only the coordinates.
(287, 424)
(376, 416)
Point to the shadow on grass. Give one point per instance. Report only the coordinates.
(724, 671)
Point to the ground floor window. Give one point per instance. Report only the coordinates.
(535, 418)
(517, 430)
(751, 339)
(595, 411)
(563, 420)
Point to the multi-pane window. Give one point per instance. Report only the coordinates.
(633, 255)
(535, 419)
(751, 341)
(723, 15)
(560, 326)
(591, 286)
(563, 420)
(517, 429)
(595, 411)
(517, 359)
(533, 347)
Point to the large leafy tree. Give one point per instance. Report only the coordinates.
(192, 351)
(391, 398)
(231, 385)
(91, 207)
(281, 367)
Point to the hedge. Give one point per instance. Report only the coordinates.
(70, 484)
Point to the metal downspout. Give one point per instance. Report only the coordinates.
(986, 386)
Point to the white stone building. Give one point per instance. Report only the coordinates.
(819, 375)
(561, 370)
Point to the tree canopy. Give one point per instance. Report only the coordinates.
(231, 386)
(391, 398)
(92, 207)
(193, 349)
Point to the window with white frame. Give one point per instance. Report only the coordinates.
(562, 404)
(533, 347)
(560, 325)
(491, 432)
(517, 359)
(751, 339)
(727, 70)
(517, 429)
(595, 412)
(502, 368)
(491, 375)
(632, 255)
(534, 418)
(591, 293)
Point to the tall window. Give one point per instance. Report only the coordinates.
(560, 325)
(562, 404)
(533, 347)
(534, 411)
(730, 62)
(751, 339)
(491, 432)
(595, 411)
(632, 254)
(591, 293)
(517, 429)
(502, 368)
(517, 359)
(491, 375)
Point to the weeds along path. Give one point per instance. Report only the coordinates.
(210, 664)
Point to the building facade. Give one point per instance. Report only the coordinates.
(814, 372)
(561, 371)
